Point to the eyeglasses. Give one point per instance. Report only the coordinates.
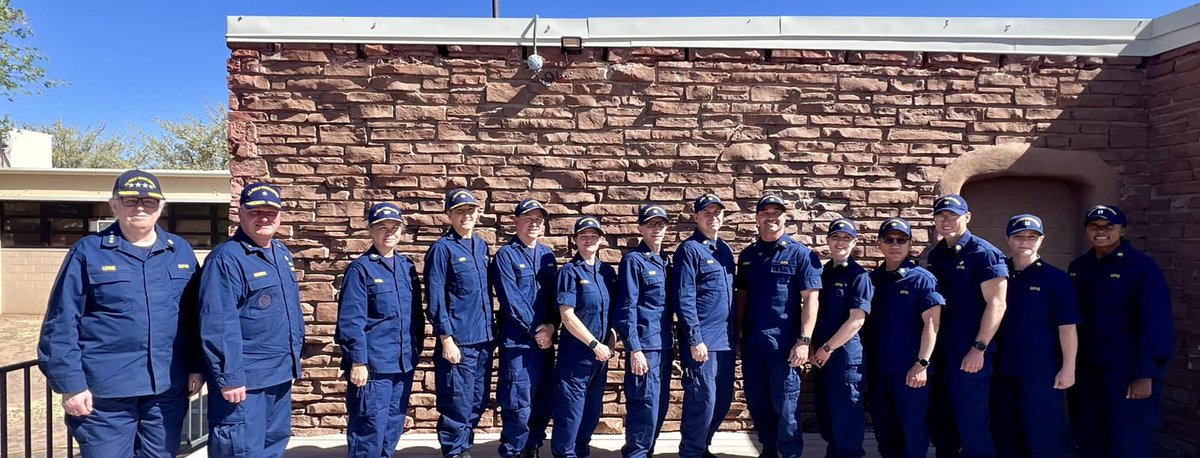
(144, 202)
(894, 240)
(656, 224)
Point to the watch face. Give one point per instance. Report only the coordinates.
(980, 346)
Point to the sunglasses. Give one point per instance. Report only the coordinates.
(144, 202)
(894, 240)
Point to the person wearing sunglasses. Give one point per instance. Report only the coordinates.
(778, 285)
(252, 331)
(119, 341)
(643, 322)
(1126, 339)
(584, 294)
(1036, 348)
(845, 299)
(905, 314)
(524, 273)
(381, 330)
(973, 277)
(460, 310)
(702, 284)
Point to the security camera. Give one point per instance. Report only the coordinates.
(535, 62)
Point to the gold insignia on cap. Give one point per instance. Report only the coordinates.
(459, 193)
(1027, 221)
(943, 200)
(263, 189)
(140, 182)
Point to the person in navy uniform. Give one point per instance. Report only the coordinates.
(643, 321)
(119, 338)
(905, 312)
(702, 288)
(845, 299)
(778, 284)
(973, 278)
(460, 310)
(1036, 348)
(524, 272)
(584, 293)
(1125, 341)
(252, 330)
(380, 329)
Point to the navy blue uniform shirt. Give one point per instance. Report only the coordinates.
(774, 274)
(380, 320)
(523, 279)
(456, 281)
(121, 320)
(844, 287)
(960, 270)
(641, 316)
(894, 330)
(702, 283)
(588, 290)
(1040, 299)
(1126, 312)
(251, 324)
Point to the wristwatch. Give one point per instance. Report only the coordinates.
(922, 362)
(806, 339)
(595, 343)
(826, 348)
(979, 345)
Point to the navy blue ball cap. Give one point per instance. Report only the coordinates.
(587, 222)
(1024, 222)
(770, 199)
(460, 197)
(261, 194)
(528, 205)
(705, 200)
(651, 211)
(384, 211)
(895, 224)
(845, 225)
(951, 202)
(1108, 213)
(137, 183)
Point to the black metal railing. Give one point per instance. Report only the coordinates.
(195, 424)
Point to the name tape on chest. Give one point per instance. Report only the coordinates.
(108, 268)
(260, 274)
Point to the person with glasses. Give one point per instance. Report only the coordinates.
(584, 293)
(381, 330)
(845, 299)
(252, 331)
(643, 321)
(702, 288)
(778, 288)
(1126, 339)
(1036, 348)
(460, 310)
(973, 277)
(524, 272)
(905, 313)
(119, 341)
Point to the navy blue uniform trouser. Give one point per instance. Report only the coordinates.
(958, 411)
(646, 400)
(147, 426)
(707, 394)
(772, 389)
(260, 426)
(579, 398)
(1106, 424)
(898, 415)
(462, 395)
(525, 393)
(377, 413)
(1029, 417)
(841, 414)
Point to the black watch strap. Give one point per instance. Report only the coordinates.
(922, 362)
(595, 343)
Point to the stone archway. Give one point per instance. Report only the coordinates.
(1001, 181)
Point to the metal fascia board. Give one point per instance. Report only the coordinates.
(460, 31)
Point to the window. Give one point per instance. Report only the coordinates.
(61, 224)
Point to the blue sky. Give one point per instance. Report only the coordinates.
(127, 62)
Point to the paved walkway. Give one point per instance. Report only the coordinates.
(725, 445)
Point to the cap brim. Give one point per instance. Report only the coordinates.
(527, 210)
(719, 204)
(852, 234)
(647, 220)
(261, 203)
(601, 231)
(1023, 229)
(1089, 220)
(764, 206)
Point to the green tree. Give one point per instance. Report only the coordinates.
(21, 72)
(90, 148)
(195, 143)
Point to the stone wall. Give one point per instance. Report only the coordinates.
(861, 134)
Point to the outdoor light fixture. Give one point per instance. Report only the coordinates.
(572, 45)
